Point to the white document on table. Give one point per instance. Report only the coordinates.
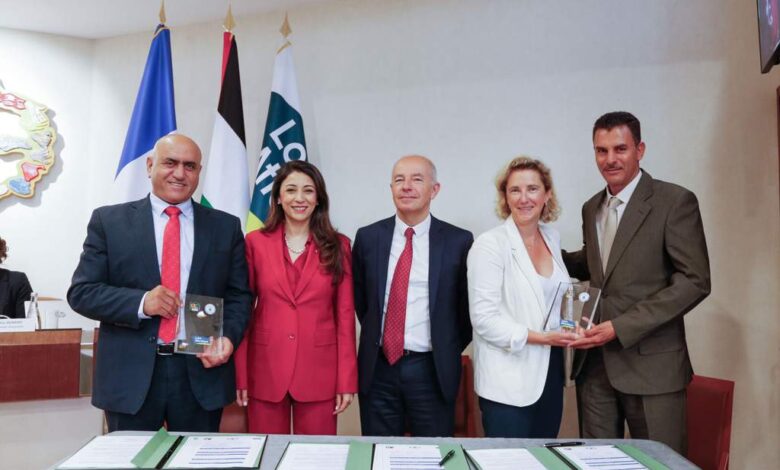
(107, 452)
(600, 458)
(505, 459)
(406, 457)
(231, 451)
(307, 456)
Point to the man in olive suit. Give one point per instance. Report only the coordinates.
(644, 247)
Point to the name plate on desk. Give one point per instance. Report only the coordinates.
(16, 325)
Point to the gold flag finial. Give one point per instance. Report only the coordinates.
(162, 12)
(229, 21)
(285, 29)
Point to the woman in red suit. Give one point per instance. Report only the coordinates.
(298, 355)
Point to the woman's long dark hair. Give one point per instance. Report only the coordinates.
(325, 236)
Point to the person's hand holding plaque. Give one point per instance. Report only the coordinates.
(562, 338)
(216, 353)
(597, 336)
(162, 302)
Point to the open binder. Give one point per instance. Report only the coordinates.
(352, 456)
(166, 451)
(361, 456)
(556, 458)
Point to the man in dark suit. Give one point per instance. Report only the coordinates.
(644, 247)
(411, 300)
(139, 258)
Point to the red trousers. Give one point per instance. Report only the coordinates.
(306, 417)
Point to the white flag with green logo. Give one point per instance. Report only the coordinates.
(283, 140)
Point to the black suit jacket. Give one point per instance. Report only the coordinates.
(449, 308)
(119, 264)
(14, 290)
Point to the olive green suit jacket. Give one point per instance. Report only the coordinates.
(658, 270)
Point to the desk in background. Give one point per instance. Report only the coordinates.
(43, 378)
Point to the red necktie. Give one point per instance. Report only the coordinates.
(170, 272)
(395, 317)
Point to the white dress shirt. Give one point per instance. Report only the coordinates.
(550, 286)
(625, 196)
(186, 245)
(417, 329)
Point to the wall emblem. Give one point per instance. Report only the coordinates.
(27, 134)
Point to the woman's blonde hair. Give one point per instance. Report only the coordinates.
(551, 209)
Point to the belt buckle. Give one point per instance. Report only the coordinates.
(409, 352)
(165, 349)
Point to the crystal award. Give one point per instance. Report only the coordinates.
(573, 307)
(200, 324)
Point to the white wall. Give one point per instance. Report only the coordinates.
(43, 232)
(472, 84)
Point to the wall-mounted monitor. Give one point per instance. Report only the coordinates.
(769, 33)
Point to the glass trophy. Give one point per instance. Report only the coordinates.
(573, 308)
(200, 325)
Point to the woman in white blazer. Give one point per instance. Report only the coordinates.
(513, 274)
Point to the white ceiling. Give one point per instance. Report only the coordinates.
(106, 18)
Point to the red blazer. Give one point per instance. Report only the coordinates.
(300, 342)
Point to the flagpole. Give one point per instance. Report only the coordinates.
(229, 21)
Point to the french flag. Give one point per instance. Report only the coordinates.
(153, 116)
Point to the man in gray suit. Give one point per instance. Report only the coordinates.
(644, 247)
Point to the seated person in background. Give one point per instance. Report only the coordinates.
(14, 288)
(513, 274)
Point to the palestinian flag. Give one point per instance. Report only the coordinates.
(226, 183)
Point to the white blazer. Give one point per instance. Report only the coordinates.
(506, 301)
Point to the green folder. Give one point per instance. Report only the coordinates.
(162, 447)
(641, 457)
(554, 461)
(360, 455)
(457, 461)
(542, 454)
(548, 458)
(170, 456)
(632, 452)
